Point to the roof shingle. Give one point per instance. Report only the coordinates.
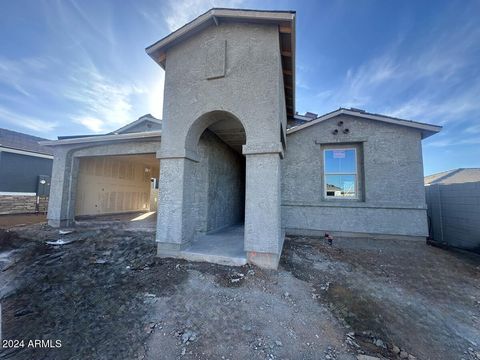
(20, 141)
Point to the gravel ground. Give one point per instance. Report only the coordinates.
(105, 295)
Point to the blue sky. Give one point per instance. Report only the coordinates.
(70, 67)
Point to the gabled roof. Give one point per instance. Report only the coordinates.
(426, 129)
(455, 176)
(153, 125)
(213, 17)
(148, 119)
(20, 141)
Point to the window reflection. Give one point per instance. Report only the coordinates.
(340, 173)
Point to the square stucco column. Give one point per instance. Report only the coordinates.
(263, 232)
(174, 222)
(61, 203)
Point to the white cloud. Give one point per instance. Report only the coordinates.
(98, 98)
(475, 129)
(431, 85)
(13, 73)
(95, 95)
(178, 13)
(104, 104)
(454, 142)
(369, 76)
(155, 96)
(437, 83)
(440, 108)
(25, 121)
(93, 124)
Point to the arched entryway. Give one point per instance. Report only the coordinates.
(215, 174)
(216, 140)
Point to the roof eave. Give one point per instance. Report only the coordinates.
(294, 53)
(155, 51)
(135, 123)
(107, 138)
(284, 19)
(21, 150)
(426, 134)
(425, 129)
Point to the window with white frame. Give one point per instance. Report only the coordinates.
(340, 173)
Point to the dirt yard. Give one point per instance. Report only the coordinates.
(8, 221)
(105, 295)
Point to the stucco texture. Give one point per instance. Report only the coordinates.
(204, 85)
(391, 194)
(226, 185)
(250, 89)
(219, 199)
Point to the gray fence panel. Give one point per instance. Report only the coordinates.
(454, 213)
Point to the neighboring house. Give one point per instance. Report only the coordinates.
(456, 176)
(24, 166)
(333, 190)
(453, 199)
(232, 150)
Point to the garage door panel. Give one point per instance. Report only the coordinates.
(112, 184)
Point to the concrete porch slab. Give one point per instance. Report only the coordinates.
(224, 247)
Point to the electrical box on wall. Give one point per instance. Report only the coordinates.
(43, 185)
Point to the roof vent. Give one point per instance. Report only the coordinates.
(311, 115)
(308, 116)
(357, 110)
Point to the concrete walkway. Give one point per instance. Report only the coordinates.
(223, 247)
